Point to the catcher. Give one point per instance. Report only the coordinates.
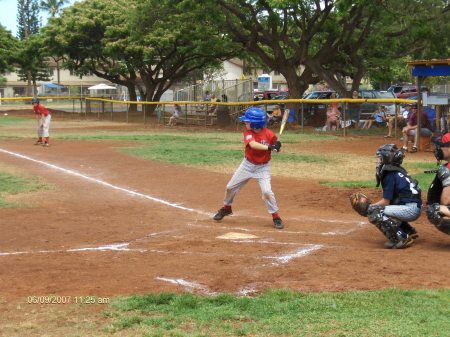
(401, 200)
(438, 198)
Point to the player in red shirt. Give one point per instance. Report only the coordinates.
(259, 144)
(43, 118)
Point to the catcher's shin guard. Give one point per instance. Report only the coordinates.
(435, 217)
(388, 226)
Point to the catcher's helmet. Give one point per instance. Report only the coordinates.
(34, 100)
(256, 117)
(439, 143)
(389, 154)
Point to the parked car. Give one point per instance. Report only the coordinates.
(368, 108)
(269, 95)
(315, 114)
(405, 90)
(265, 95)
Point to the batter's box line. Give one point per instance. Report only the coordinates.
(284, 231)
(311, 219)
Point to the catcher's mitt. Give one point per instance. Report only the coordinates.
(360, 203)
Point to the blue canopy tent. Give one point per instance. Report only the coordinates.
(53, 86)
(426, 68)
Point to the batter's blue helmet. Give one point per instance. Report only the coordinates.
(34, 100)
(256, 117)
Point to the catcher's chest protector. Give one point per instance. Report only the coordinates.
(435, 191)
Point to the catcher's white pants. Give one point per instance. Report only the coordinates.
(243, 174)
(43, 131)
(408, 212)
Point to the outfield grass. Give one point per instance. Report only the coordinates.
(390, 312)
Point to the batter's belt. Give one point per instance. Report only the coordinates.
(255, 163)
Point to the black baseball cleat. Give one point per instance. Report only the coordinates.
(221, 213)
(410, 230)
(278, 223)
(406, 242)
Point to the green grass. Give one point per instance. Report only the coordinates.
(195, 150)
(422, 171)
(350, 184)
(12, 184)
(11, 120)
(391, 312)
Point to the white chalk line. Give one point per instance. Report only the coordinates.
(106, 184)
(187, 285)
(284, 231)
(124, 247)
(283, 259)
(190, 286)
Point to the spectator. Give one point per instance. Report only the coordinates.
(411, 128)
(353, 109)
(378, 118)
(207, 97)
(158, 111)
(212, 111)
(333, 116)
(275, 116)
(177, 112)
(402, 119)
(224, 98)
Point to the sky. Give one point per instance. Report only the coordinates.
(8, 15)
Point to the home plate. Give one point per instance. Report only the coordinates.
(236, 236)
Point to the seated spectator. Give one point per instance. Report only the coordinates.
(378, 118)
(333, 117)
(212, 111)
(275, 116)
(177, 112)
(411, 128)
(401, 118)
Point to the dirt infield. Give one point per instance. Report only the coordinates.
(112, 224)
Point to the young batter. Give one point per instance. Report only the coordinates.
(259, 143)
(43, 119)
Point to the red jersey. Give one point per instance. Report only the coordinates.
(265, 137)
(40, 110)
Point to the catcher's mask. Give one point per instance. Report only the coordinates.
(439, 143)
(388, 154)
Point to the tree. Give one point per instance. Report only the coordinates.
(143, 45)
(421, 34)
(31, 58)
(8, 44)
(308, 40)
(300, 39)
(54, 7)
(28, 24)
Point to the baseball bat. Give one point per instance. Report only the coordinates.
(283, 122)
